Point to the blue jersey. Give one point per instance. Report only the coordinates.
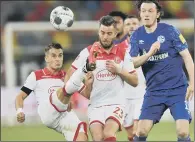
(164, 69)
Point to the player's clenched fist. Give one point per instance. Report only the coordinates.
(154, 48)
(113, 67)
(20, 116)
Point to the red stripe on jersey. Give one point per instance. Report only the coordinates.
(74, 67)
(132, 71)
(45, 74)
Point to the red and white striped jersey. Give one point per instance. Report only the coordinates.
(107, 87)
(43, 83)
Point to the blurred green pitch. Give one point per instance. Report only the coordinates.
(164, 131)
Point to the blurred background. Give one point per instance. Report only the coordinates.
(26, 49)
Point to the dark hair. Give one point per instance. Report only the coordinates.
(156, 2)
(107, 21)
(53, 45)
(132, 16)
(118, 13)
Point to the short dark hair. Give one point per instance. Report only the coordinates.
(118, 13)
(132, 16)
(53, 45)
(156, 2)
(107, 21)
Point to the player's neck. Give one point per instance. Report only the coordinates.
(151, 29)
(53, 71)
(120, 36)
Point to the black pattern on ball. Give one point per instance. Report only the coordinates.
(69, 24)
(58, 20)
(65, 8)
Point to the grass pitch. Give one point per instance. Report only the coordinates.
(164, 131)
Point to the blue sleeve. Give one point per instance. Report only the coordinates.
(134, 49)
(179, 42)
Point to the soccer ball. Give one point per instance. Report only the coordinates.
(62, 18)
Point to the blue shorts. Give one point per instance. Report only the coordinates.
(155, 103)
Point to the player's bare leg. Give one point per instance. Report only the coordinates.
(182, 128)
(143, 128)
(131, 131)
(82, 137)
(96, 130)
(110, 129)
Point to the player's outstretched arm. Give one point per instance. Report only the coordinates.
(19, 102)
(140, 60)
(189, 64)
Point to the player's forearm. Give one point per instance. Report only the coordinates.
(140, 60)
(130, 78)
(19, 102)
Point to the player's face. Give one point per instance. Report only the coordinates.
(149, 14)
(130, 25)
(106, 36)
(54, 58)
(119, 24)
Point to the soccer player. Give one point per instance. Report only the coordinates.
(113, 66)
(162, 50)
(119, 17)
(134, 95)
(52, 108)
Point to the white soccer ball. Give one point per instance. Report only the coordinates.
(62, 18)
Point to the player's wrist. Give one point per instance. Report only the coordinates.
(19, 110)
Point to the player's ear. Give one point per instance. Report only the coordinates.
(46, 59)
(158, 14)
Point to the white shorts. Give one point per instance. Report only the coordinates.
(102, 113)
(65, 122)
(132, 111)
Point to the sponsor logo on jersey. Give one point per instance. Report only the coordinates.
(53, 89)
(158, 57)
(161, 39)
(105, 75)
(141, 42)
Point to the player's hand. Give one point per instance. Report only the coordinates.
(154, 48)
(113, 67)
(20, 117)
(190, 92)
(89, 78)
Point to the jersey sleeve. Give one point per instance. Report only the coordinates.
(133, 45)
(30, 82)
(128, 63)
(80, 59)
(179, 42)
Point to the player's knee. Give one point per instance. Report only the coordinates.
(108, 133)
(97, 136)
(182, 133)
(143, 132)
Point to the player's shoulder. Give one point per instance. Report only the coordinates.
(38, 73)
(165, 26)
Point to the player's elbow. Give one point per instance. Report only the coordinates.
(135, 83)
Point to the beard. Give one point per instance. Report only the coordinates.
(106, 46)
